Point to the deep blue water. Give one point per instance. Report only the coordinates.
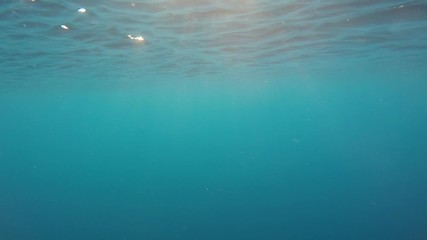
(299, 120)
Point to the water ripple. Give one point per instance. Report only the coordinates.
(48, 38)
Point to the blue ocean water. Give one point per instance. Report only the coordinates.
(239, 119)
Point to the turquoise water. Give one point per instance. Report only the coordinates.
(235, 119)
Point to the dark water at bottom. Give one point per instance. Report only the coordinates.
(310, 157)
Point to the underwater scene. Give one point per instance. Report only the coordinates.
(213, 120)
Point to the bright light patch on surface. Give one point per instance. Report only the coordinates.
(136, 38)
(81, 10)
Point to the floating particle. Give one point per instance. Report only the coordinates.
(64, 27)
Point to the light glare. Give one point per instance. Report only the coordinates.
(136, 38)
(82, 10)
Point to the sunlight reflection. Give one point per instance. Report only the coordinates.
(136, 38)
(81, 10)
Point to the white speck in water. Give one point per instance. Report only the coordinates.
(81, 10)
(136, 38)
(64, 27)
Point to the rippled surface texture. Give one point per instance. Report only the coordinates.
(213, 120)
(203, 37)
